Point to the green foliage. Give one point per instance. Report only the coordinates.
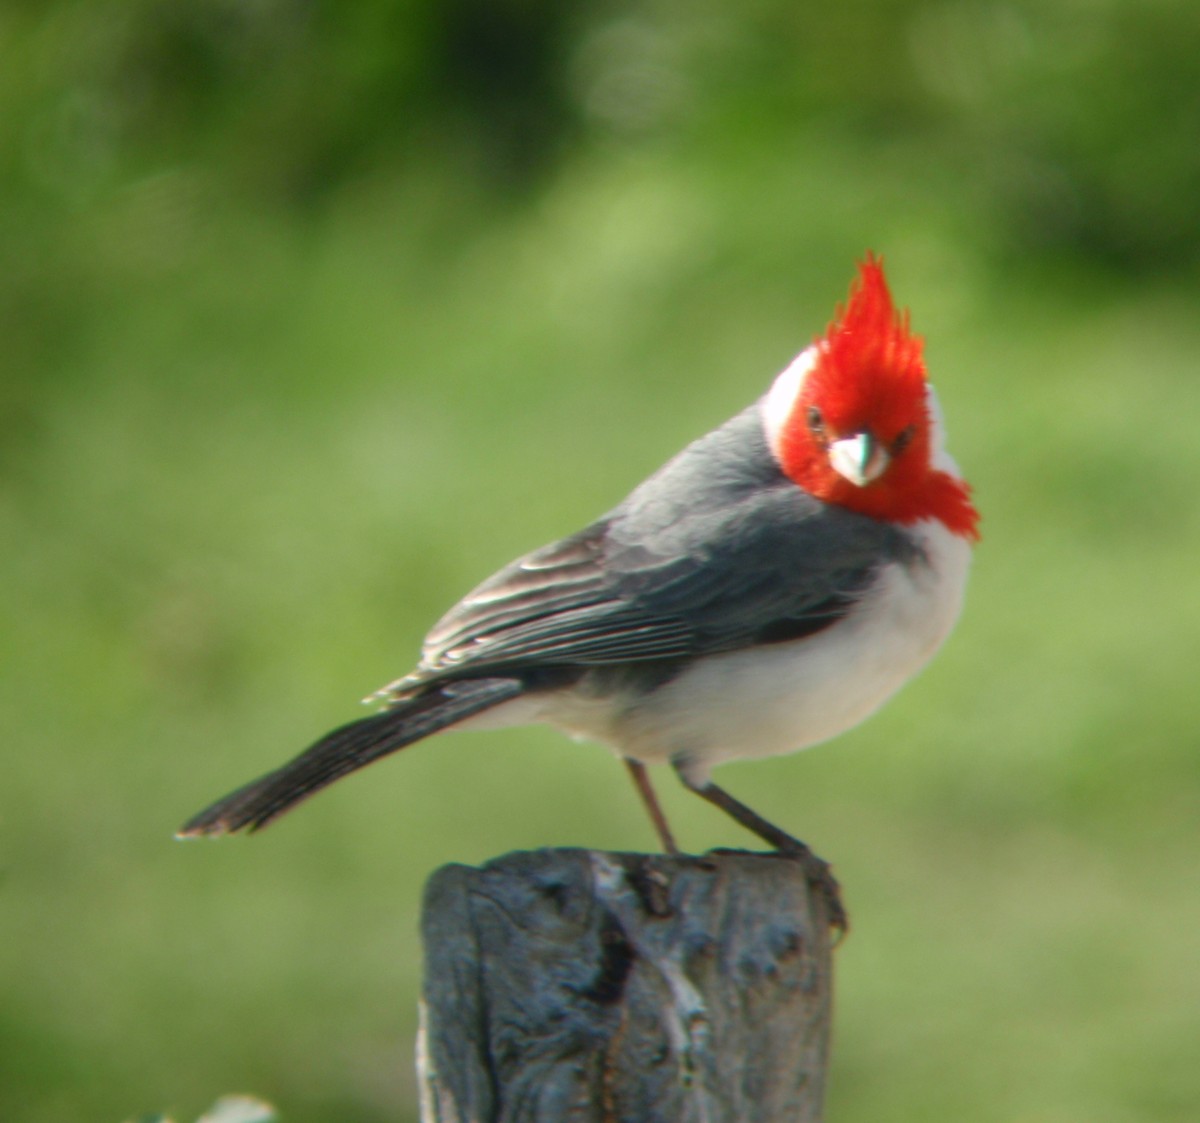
(314, 315)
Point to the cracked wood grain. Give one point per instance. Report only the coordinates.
(575, 986)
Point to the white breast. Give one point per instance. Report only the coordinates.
(777, 698)
(787, 696)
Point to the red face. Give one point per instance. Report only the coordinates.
(859, 431)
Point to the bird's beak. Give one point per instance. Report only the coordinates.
(860, 458)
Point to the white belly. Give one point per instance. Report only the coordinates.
(787, 696)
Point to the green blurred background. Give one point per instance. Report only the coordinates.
(315, 314)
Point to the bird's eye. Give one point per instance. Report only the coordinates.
(816, 422)
(903, 440)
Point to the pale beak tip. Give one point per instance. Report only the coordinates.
(859, 459)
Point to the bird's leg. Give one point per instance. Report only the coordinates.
(816, 870)
(641, 781)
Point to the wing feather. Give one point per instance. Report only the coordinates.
(792, 571)
(717, 552)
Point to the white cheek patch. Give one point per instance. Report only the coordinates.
(780, 401)
(938, 456)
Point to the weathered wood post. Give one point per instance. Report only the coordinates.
(590, 987)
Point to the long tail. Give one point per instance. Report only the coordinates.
(346, 750)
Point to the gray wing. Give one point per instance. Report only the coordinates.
(717, 552)
(596, 599)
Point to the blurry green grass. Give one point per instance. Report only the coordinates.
(273, 464)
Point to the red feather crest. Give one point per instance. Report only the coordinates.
(870, 365)
(868, 375)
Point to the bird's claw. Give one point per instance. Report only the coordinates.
(819, 874)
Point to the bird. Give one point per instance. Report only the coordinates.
(766, 590)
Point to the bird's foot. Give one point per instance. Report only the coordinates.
(816, 870)
(819, 875)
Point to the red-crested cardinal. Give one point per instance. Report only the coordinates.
(765, 590)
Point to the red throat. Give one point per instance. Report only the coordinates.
(868, 376)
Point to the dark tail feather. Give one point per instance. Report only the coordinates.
(347, 749)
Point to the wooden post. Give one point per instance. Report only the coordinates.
(576, 986)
